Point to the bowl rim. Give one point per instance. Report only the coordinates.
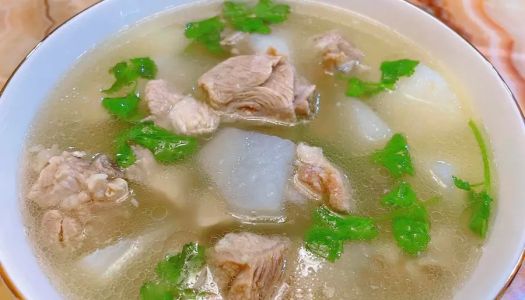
(521, 260)
(17, 293)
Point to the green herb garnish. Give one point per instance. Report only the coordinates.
(163, 291)
(395, 157)
(255, 19)
(401, 196)
(410, 222)
(124, 108)
(411, 229)
(480, 204)
(125, 156)
(484, 155)
(127, 73)
(359, 88)
(480, 201)
(165, 146)
(330, 230)
(462, 184)
(206, 32)
(178, 268)
(391, 72)
(174, 273)
(324, 242)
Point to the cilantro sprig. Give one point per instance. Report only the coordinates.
(124, 108)
(481, 207)
(127, 73)
(241, 17)
(479, 203)
(165, 146)
(462, 184)
(255, 19)
(395, 157)
(206, 32)
(330, 230)
(391, 72)
(487, 181)
(174, 273)
(401, 196)
(410, 222)
(479, 199)
(411, 229)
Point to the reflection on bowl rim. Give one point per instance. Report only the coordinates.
(18, 294)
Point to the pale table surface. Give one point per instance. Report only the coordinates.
(496, 27)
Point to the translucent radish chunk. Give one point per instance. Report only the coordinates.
(231, 160)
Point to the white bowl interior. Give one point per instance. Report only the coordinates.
(492, 101)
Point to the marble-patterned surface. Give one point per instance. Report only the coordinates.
(495, 27)
(24, 23)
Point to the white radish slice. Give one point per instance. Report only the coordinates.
(250, 170)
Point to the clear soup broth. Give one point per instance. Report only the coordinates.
(161, 222)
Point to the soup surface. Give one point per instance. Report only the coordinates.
(181, 203)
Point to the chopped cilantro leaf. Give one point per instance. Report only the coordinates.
(165, 146)
(270, 12)
(125, 156)
(256, 19)
(461, 184)
(393, 70)
(330, 230)
(411, 228)
(176, 269)
(242, 18)
(359, 88)
(401, 196)
(480, 217)
(122, 107)
(127, 73)
(479, 201)
(411, 235)
(347, 227)
(145, 67)
(324, 243)
(206, 32)
(123, 77)
(479, 206)
(174, 273)
(415, 211)
(410, 222)
(395, 157)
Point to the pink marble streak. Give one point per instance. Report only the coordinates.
(494, 27)
(509, 15)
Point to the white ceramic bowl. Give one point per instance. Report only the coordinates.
(493, 103)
